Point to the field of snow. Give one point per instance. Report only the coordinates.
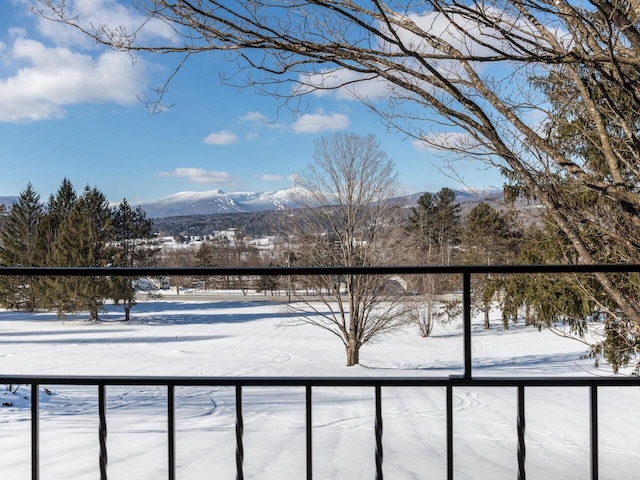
(171, 337)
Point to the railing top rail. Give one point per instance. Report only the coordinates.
(336, 270)
(478, 381)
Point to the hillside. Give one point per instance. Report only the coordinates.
(272, 221)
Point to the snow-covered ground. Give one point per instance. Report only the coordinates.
(171, 337)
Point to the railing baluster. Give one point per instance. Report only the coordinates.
(593, 394)
(309, 426)
(521, 433)
(35, 437)
(378, 432)
(171, 431)
(466, 320)
(239, 433)
(449, 432)
(102, 430)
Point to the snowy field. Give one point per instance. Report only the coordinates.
(171, 337)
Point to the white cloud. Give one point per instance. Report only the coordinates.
(268, 177)
(199, 175)
(259, 118)
(223, 137)
(92, 14)
(445, 141)
(254, 117)
(51, 78)
(320, 122)
(64, 67)
(343, 84)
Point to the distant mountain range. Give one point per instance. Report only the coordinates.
(219, 202)
(7, 201)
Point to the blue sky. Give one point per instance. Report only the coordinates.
(69, 108)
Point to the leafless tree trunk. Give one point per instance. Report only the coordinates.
(347, 221)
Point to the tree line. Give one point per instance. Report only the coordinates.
(72, 230)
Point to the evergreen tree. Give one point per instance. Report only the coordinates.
(133, 246)
(577, 303)
(82, 241)
(18, 248)
(3, 214)
(58, 207)
(487, 239)
(435, 224)
(205, 257)
(421, 225)
(447, 223)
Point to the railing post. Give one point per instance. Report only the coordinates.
(378, 432)
(239, 433)
(449, 432)
(171, 431)
(466, 319)
(35, 437)
(102, 430)
(593, 447)
(521, 433)
(309, 425)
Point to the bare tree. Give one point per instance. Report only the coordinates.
(494, 80)
(347, 220)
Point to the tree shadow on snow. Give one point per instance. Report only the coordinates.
(103, 339)
(190, 313)
(526, 365)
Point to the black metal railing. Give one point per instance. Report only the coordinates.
(467, 379)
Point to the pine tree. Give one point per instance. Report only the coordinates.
(4, 212)
(82, 241)
(18, 248)
(446, 222)
(421, 225)
(435, 224)
(487, 239)
(58, 207)
(132, 247)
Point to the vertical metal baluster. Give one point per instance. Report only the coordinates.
(378, 431)
(35, 437)
(466, 317)
(171, 431)
(521, 433)
(593, 391)
(309, 425)
(449, 432)
(102, 430)
(239, 432)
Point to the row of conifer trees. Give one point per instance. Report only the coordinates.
(72, 230)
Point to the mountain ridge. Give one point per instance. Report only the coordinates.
(217, 201)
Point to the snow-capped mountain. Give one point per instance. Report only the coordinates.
(7, 201)
(218, 201)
